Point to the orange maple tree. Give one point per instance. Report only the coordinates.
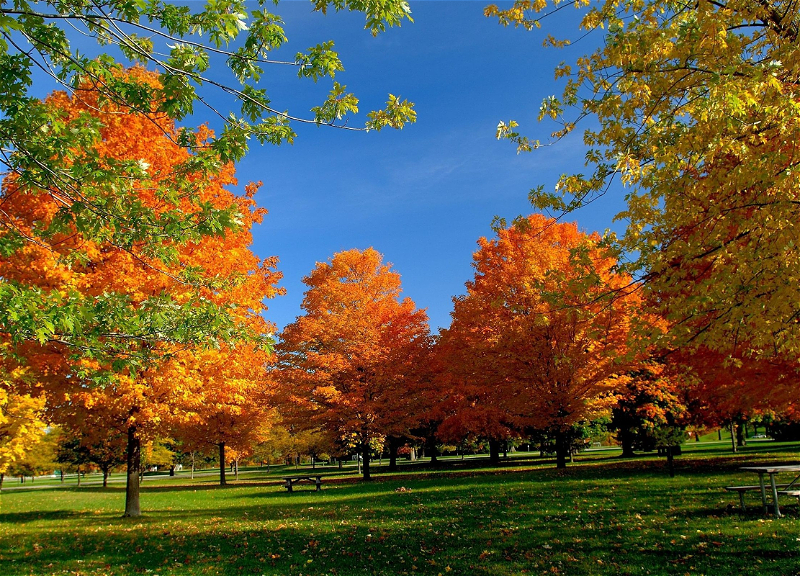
(352, 360)
(217, 270)
(540, 334)
(228, 401)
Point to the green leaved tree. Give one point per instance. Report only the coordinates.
(192, 48)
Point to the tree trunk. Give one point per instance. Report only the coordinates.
(62, 474)
(172, 470)
(365, 455)
(719, 434)
(494, 451)
(313, 462)
(132, 508)
(562, 447)
(236, 468)
(627, 448)
(1, 480)
(340, 463)
(733, 437)
(505, 448)
(740, 435)
(393, 442)
(626, 440)
(79, 477)
(671, 461)
(105, 477)
(222, 464)
(193, 465)
(433, 450)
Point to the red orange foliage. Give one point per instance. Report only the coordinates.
(353, 359)
(722, 388)
(228, 274)
(226, 401)
(539, 335)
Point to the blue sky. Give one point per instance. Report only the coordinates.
(421, 196)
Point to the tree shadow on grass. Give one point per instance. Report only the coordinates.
(33, 516)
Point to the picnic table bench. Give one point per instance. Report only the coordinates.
(742, 489)
(290, 480)
(794, 492)
(790, 489)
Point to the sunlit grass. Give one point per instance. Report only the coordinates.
(601, 516)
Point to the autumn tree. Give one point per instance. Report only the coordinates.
(228, 401)
(649, 410)
(694, 111)
(21, 426)
(727, 390)
(38, 460)
(198, 53)
(291, 444)
(350, 363)
(92, 431)
(540, 334)
(139, 292)
(472, 404)
(275, 446)
(785, 427)
(72, 456)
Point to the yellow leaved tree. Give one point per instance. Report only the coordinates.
(697, 116)
(21, 426)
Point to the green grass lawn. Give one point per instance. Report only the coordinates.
(602, 515)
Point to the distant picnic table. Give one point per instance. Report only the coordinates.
(289, 481)
(790, 489)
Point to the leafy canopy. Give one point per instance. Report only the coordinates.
(697, 116)
(539, 336)
(352, 361)
(49, 153)
(72, 285)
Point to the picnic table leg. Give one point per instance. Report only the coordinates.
(763, 491)
(775, 495)
(741, 499)
(319, 483)
(289, 484)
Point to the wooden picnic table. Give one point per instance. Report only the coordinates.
(790, 489)
(290, 480)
